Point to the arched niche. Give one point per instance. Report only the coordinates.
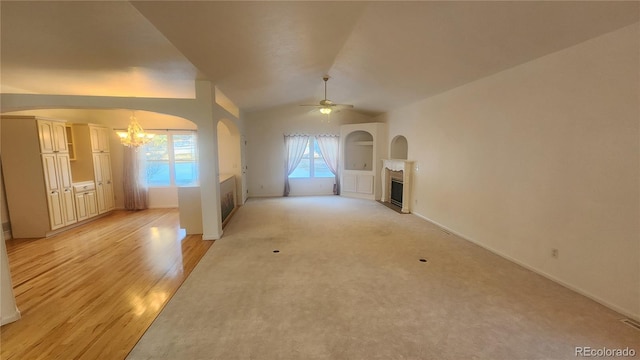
(358, 152)
(399, 148)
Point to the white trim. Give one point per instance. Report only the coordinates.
(536, 270)
(212, 237)
(7, 235)
(266, 195)
(11, 318)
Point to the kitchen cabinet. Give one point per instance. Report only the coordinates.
(93, 162)
(37, 175)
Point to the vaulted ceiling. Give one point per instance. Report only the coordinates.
(380, 55)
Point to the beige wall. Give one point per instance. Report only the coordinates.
(539, 157)
(4, 214)
(8, 310)
(265, 147)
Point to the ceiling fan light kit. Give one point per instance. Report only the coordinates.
(326, 106)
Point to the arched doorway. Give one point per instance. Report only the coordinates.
(161, 196)
(230, 167)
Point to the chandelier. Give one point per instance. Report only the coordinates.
(135, 135)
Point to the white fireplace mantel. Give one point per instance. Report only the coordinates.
(397, 165)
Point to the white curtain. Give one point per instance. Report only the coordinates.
(328, 145)
(135, 187)
(295, 146)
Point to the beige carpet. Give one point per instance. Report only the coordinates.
(348, 284)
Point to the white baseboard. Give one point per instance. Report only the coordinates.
(265, 195)
(211, 236)
(7, 235)
(580, 291)
(11, 318)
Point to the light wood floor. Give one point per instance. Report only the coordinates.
(91, 292)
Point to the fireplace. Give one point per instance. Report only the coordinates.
(396, 192)
(396, 183)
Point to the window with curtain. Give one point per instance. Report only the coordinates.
(312, 164)
(171, 159)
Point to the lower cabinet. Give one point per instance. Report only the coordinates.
(358, 183)
(57, 176)
(86, 200)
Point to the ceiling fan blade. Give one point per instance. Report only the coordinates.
(326, 103)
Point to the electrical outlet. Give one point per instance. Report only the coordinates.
(554, 253)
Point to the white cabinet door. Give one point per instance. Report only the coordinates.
(99, 139)
(358, 183)
(81, 207)
(365, 184)
(64, 171)
(50, 167)
(86, 205)
(105, 164)
(68, 207)
(100, 196)
(52, 136)
(45, 135)
(104, 182)
(349, 182)
(64, 179)
(53, 190)
(92, 204)
(60, 137)
(54, 203)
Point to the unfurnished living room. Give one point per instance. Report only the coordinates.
(320, 179)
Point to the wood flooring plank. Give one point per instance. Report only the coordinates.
(92, 291)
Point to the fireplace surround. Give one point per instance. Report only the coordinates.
(396, 183)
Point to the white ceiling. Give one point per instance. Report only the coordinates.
(380, 55)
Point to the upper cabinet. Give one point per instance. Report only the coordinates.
(99, 139)
(53, 136)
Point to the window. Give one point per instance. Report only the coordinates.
(312, 164)
(171, 159)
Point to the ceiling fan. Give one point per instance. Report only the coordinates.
(327, 106)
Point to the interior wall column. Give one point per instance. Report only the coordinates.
(8, 310)
(208, 161)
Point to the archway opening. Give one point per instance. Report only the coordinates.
(160, 196)
(229, 167)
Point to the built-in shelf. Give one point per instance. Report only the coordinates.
(70, 142)
(362, 148)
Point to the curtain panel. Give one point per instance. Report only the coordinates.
(134, 184)
(295, 146)
(329, 149)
